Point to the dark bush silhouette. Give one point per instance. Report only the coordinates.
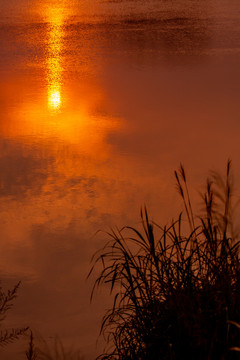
(176, 291)
(6, 299)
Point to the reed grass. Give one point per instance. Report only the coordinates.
(176, 291)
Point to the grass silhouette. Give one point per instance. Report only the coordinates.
(55, 351)
(31, 353)
(176, 289)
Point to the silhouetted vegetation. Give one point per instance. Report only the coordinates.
(176, 289)
(6, 303)
(56, 351)
(31, 353)
(44, 352)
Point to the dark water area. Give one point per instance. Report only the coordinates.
(100, 102)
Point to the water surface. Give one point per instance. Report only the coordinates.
(100, 101)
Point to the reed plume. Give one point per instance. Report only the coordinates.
(176, 292)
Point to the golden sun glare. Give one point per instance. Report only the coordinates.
(54, 60)
(54, 99)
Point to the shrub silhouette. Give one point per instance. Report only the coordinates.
(176, 291)
(6, 299)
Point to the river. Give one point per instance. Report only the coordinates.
(100, 102)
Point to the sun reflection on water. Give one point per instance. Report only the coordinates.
(54, 99)
(54, 60)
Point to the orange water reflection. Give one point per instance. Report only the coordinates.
(54, 61)
(69, 168)
(59, 131)
(55, 161)
(68, 111)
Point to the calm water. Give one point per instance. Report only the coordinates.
(100, 101)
